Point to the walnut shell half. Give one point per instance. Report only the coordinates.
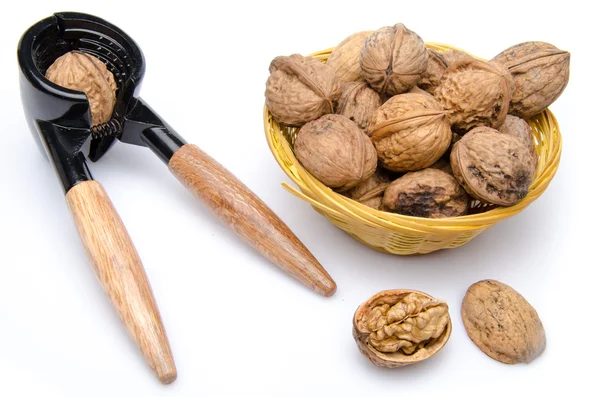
(541, 73)
(393, 59)
(493, 167)
(410, 132)
(344, 58)
(83, 72)
(396, 328)
(336, 152)
(429, 193)
(300, 89)
(502, 323)
(475, 93)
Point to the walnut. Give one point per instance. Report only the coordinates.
(344, 58)
(335, 151)
(400, 327)
(436, 66)
(417, 90)
(475, 93)
(83, 72)
(300, 89)
(502, 323)
(410, 132)
(358, 102)
(370, 191)
(393, 59)
(541, 73)
(492, 167)
(452, 56)
(520, 128)
(429, 193)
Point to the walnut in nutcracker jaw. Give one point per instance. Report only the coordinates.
(83, 72)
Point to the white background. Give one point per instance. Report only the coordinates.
(237, 324)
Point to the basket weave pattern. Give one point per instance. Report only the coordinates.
(400, 234)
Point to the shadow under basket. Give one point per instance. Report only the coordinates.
(400, 234)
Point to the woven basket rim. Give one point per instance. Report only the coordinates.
(343, 206)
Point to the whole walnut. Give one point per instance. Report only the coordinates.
(429, 193)
(344, 58)
(393, 59)
(370, 191)
(336, 152)
(493, 167)
(395, 328)
(436, 66)
(410, 132)
(358, 102)
(541, 73)
(83, 72)
(521, 129)
(502, 323)
(300, 89)
(475, 93)
(452, 56)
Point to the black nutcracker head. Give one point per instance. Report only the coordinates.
(59, 116)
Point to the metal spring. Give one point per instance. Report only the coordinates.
(110, 128)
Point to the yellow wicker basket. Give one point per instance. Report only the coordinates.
(406, 235)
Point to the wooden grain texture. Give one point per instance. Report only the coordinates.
(234, 204)
(120, 271)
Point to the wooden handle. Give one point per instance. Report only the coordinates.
(120, 271)
(234, 204)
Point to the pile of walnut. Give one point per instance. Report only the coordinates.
(406, 129)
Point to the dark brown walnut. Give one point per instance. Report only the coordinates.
(300, 89)
(396, 328)
(393, 59)
(502, 323)
(410, 132)
(493, 167)
(521, 129)
(83, 72)
(452, 56)
(344, 58)
(541, 73)
(435, 69)
(475, 93)
(336, 152)
(358, 102)
(429, 193)
(370, 192)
